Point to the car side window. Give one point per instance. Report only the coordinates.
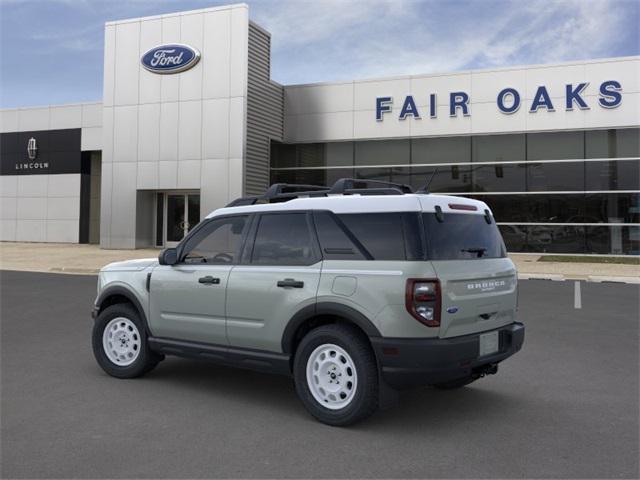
(283, 239)
(217, 243)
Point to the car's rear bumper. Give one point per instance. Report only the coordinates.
(410, 362)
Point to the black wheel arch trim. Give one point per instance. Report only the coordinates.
(129, 295)
(350, 314)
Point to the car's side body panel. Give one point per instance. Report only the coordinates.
(182, 307)
(258, 309)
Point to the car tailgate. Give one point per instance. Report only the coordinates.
(477, 295)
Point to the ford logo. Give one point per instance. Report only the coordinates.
(172, 58)
(452, 310)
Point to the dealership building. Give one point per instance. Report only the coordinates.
(190, 120)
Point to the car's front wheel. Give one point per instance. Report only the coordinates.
(120, 343)
(336, 375)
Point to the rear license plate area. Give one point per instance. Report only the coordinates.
(489, 343)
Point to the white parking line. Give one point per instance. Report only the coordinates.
(577, 296)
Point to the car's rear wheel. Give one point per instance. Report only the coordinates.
(120, 343)
(336, 375)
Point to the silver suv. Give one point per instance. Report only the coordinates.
(356, 291)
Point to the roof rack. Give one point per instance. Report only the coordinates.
(283, 192)
(371, 187)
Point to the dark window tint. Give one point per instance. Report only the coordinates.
(613, 175)
(613, 207)
(615, 240)
(462, 236)
(499, 148)
(159, 218)
(499, 178)
(311, 177)
(555, 176)
(283, 155)
(555, 145)
(311, 154)
(619, 143)
(385, 236)
(395, 175)
(283, 239)
(441, 150)
(560, 208)
(456, 178)
(382, 152)
(216, 243)
(544, 238)
(334, 239)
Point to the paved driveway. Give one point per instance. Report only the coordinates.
(566, 406)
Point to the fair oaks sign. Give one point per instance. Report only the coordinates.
(508, 101)
(171, 58)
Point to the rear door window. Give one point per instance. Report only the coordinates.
(462, 236)
(284, 239)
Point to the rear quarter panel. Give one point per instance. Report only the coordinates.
(377, 290)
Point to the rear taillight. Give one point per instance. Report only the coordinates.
(422, 299)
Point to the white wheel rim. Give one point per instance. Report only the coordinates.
(331, 376)
(121, 341)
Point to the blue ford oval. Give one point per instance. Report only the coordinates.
(171, 58)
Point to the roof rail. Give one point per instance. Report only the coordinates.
(283, 192)
(352, 185)
(278, 189)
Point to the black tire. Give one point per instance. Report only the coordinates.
(453, 384)
(146, 359)
(365, 398)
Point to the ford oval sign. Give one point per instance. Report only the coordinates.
(172, 58)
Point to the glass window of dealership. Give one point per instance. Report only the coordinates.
(560, 192)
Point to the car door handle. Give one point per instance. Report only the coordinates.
(208, 280)
(290, 282)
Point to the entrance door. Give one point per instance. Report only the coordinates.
(182, 213)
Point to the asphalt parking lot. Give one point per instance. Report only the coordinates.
(566, 406)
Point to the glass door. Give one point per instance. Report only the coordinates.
(181, 213)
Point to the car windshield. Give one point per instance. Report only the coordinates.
(461, 236)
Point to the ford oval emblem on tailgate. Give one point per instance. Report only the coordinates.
(171, 58)
(452, 309)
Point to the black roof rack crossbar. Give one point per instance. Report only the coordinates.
(278, 189)
(350, 184)
(242, 202)
(373, 191)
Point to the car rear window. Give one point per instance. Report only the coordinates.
(385, 236)
(462, 236)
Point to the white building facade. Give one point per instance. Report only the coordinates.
(191, 120)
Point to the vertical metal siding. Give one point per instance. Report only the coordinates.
(265, 112)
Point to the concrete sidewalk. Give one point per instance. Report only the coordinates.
(88, 259)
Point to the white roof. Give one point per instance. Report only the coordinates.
(364, 204)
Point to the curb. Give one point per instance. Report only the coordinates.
(585, 278)
(541, 276)
(83, 271)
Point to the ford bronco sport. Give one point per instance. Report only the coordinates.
(356, 291)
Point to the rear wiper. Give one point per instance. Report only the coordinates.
(479, 251)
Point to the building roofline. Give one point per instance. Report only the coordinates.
(59, 105)
(467, 72)
(178, 14)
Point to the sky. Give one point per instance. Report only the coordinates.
(51, 51)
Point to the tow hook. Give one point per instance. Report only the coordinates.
(489, 369)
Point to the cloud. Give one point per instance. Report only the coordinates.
(328, 40)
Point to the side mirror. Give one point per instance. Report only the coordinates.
(168, 256)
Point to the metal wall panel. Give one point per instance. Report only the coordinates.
(265, 108)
